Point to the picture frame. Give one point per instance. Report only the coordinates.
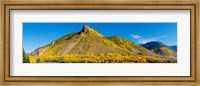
(6, 6)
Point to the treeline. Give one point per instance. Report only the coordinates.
(102, 58)
(91, 58)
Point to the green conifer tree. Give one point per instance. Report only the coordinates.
(25, 57)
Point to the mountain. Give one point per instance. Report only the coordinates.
(174, 48)
(130, 46)
(89, 46)
(86, 41)
(160, 49)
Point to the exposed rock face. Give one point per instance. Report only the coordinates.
(85, 29)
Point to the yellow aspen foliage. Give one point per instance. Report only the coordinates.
(89, 57)
(32, 59)
(91, 45)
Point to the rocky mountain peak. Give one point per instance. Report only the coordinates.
(86, 29)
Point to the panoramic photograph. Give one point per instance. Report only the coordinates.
(99, 43)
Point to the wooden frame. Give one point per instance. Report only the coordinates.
(193, 6)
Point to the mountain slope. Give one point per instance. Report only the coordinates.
(174, 48)
(132, 47)
(160, 49)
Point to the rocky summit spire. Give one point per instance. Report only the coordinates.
(86, 29)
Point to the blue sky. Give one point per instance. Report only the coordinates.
(36, 35)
